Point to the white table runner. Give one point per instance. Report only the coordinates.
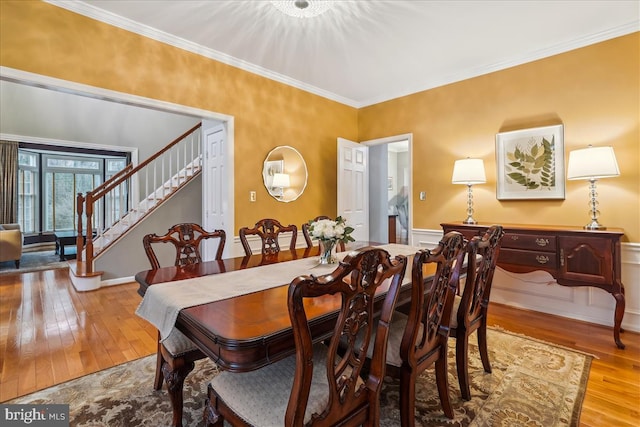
(162, 302)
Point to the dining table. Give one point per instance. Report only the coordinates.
(245, 328)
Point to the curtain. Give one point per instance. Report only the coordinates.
(8, 181)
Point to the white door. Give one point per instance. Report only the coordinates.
(353, 186)
(214, 185)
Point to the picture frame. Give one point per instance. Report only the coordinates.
(530, 164)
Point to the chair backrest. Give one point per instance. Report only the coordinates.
(268, 230)
(355, 281)
(186, 238)
(430, 311)
(482, 256)
(307, 235)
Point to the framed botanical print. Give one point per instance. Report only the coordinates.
(530, 164)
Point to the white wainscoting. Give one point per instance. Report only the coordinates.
(539, 291)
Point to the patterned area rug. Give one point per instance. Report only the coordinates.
(34, 261)
(532, 384)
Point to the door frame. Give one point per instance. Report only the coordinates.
(79, 89)
(397, 138)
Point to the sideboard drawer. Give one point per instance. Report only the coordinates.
(534, 242)
(540, 259)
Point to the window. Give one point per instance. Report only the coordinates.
(49, 182)
(28, 178)
(64, 178)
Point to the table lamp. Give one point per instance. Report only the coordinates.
(469, 172)
(593, 163)
(281, 181)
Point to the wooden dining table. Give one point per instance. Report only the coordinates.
(249, 331)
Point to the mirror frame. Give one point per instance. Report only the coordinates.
(285, 159)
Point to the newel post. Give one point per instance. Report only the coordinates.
(89, 238)
(79, 240)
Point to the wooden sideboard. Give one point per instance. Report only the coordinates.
(572, 255)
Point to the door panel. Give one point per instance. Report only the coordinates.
(214, 185)
(353, 186)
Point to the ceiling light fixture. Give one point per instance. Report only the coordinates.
(303, 8)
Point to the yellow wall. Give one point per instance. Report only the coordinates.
(594, 92)
(40, 38)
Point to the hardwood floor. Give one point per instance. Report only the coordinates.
(49, 333)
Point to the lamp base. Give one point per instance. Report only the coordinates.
(469, 220)
(594, 225)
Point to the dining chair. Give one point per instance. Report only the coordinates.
(319, 384)
(176, 354)
(269, 231)
(307, 235)
(419, 339)
(470, 310)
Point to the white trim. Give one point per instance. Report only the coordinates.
(93, 12)
(23, 77)
(73, 144)
(86, 9)
(66, 86)
(469, 73)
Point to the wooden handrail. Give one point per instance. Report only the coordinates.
(85, 204)
(113, 183)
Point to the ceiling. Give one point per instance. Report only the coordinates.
(364, 52)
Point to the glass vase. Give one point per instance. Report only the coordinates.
(326, 252)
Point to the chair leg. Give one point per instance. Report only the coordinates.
(407, 398)
(443, 383)
(211, 416)
(157, 382)
(482, 346)
(462, 364)
(175, 382)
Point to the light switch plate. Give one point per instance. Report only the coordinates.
(423, 195)
(252, 196)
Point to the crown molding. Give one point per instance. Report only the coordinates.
(101, 15)
(526, 57)
(93, 12)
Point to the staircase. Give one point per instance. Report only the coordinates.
(115, 207)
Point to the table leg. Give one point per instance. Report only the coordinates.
(61, 251)
(617, 321)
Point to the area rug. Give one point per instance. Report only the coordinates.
(34, 261)
(532, 384)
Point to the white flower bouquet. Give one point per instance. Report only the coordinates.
(328, 230)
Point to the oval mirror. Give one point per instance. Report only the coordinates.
(284, 173)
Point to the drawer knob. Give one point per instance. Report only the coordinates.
(542, 259)
(542, 242)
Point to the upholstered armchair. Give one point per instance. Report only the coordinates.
(10, 243)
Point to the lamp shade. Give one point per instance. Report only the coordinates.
(281, 180)
(592, 163)
(469, 172)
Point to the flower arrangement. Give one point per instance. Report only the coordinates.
(331, 230)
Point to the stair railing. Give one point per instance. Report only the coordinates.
(116, 205)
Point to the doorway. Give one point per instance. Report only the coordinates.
(390, 189)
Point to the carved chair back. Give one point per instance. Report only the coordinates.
(430, 310)
(269, 231)
(351, 391)
(470, 310)
(186, 238)
(480, 269)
